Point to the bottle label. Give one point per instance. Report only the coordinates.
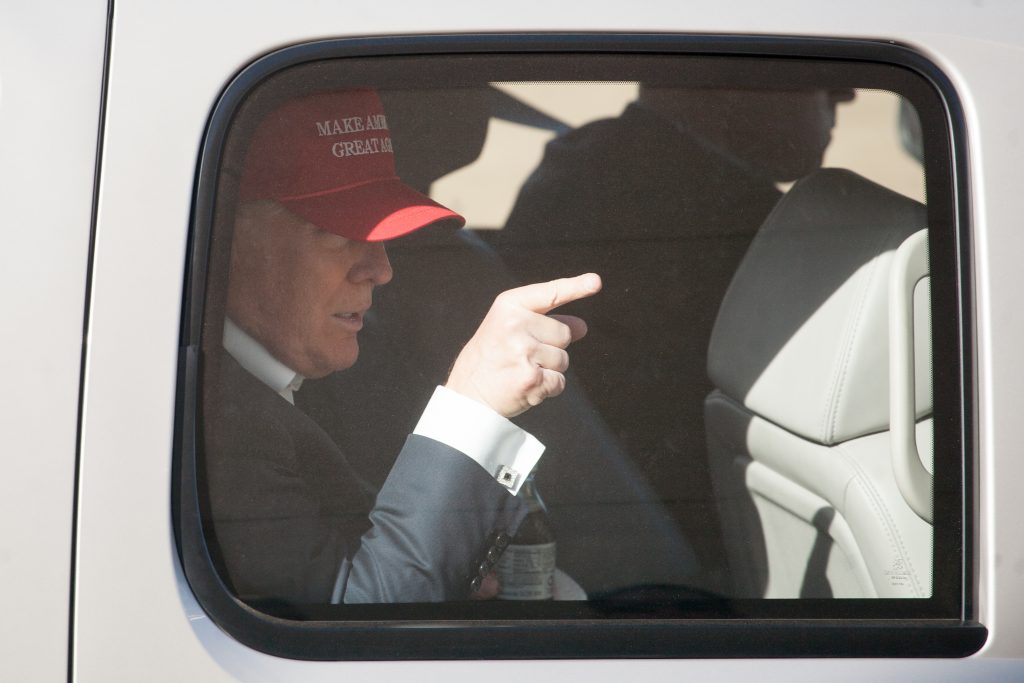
(527, 572)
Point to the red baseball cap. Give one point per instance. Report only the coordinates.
(328, 158)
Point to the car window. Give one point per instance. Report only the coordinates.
(412, 407)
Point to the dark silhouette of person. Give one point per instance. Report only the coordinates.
(663, 201)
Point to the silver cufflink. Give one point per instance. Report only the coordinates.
(507, 477)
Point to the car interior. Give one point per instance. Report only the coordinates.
(725, 433)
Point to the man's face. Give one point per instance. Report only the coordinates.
(782, 134)
(300, 291)
(785, 133)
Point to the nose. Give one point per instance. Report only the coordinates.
(373, 265)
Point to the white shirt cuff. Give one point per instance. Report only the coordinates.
(507, 452)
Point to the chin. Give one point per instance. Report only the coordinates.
(339, 361)
(795, 168)
(323, 364)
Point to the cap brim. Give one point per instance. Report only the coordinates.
(374, 212)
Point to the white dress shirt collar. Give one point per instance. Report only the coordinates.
(255, 358)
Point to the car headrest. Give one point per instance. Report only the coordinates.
(802, 334)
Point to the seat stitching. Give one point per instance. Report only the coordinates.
(831, 415)
(882, 511)
(832, 412)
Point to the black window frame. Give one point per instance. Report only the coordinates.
(945, 625)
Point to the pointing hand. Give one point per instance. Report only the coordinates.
(517, 356)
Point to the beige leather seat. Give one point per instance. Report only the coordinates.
(799, 423)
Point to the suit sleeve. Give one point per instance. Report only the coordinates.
(284, 508)
(434, 521)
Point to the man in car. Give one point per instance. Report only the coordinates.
(288, 519)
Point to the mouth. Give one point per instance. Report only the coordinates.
(353, 320)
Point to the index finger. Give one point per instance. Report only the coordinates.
(542, 297)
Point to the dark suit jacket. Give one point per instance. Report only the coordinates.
(285, 511)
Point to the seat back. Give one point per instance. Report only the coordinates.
(798, 424)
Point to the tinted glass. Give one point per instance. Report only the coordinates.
(751, 425)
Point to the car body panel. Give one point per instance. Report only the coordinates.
(134, 616)
(49, 118)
